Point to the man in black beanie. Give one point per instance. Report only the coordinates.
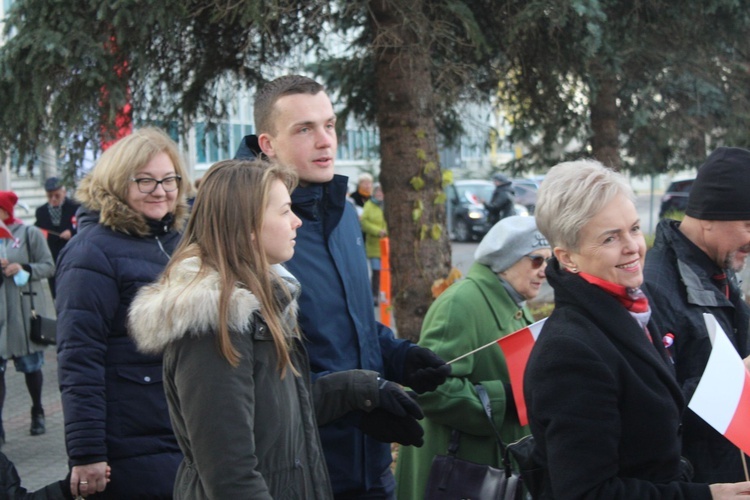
(692, 269)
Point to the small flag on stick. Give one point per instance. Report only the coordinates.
(517, 348)
(722, 397)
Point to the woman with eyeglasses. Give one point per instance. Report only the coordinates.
(487, 305)
(603, 402)
(112, 395)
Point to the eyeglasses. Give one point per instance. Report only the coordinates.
(536, 260)
(147, 185)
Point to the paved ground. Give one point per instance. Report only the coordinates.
(40, 460)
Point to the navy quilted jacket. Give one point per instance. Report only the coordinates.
(112, 395)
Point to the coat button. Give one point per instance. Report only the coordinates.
(519, 314)
(368, 403)
(679, 430)
(147, 379)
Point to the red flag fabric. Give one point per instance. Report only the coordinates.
(517, 347)
(722, 397)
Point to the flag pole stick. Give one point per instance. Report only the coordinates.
(471, 352)
(744, 464)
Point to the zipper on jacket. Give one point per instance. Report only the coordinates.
(161, 247)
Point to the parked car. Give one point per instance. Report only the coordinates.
(465, 211)
(675, 197)
(525, 194)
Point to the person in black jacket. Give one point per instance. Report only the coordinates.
(57, 218)
(603, 402)
(691, 270)
(501, 204)
(113, 399)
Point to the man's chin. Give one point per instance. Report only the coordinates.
(735, 262)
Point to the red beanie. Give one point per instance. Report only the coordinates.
(8, 200)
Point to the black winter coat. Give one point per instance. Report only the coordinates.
(678, 282)
(112, 395)
(501, 204)
(604, 406)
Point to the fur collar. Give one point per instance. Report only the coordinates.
(184, 304)
(116, 214)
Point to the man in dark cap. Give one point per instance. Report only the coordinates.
(692, 269)
(57, 220)
(501, 204)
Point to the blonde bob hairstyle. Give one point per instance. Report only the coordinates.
(105, 188)
(222, 231)
(571, 194)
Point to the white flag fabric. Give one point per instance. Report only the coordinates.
(722, 397)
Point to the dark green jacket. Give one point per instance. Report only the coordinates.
(246, 432)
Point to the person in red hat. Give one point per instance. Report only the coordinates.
(26, 261)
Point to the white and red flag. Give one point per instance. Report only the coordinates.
(722, 397)
(517, 348)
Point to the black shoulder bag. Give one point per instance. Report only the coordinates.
(452, 478)
(43, 330)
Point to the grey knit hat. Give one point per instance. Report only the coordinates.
(508, 241)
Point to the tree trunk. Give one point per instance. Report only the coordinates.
(410, 173)
(604, 113)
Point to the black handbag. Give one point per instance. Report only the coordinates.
(42, 330)
(531, 472)
(452, 478)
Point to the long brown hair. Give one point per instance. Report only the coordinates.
(227, 212)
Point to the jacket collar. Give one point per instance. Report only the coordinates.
(322, 202)
(694, 267)
(186, 303)
(612, 319)
(497, 297)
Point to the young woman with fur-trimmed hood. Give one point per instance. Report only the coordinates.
(236, 373)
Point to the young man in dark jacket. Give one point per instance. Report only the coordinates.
(691, 270)
(296, 125)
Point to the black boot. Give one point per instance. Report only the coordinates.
(37, 421)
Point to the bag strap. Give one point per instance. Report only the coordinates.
(31, 292)
(485, 399)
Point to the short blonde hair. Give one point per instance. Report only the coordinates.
(571, 194)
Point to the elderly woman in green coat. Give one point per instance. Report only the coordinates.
(488, 304)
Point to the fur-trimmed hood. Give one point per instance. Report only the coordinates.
(185, 304)
(116, 214)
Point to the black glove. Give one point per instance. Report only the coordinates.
(396, 401)
(388, 428)
(424, 370)
(395, 418)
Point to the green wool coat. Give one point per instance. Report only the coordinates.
(372, 221)
(469, 314)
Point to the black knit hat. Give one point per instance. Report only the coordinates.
(722, 188)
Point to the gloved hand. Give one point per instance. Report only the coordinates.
(396, 401)
(389, 428)
(424, 370)
(395, 418)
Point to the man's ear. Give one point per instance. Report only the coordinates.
(565, 258)
(266, 145)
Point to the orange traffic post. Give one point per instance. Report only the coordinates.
(385, 282)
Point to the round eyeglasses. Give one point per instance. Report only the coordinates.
(147, 185)
(536, 260)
